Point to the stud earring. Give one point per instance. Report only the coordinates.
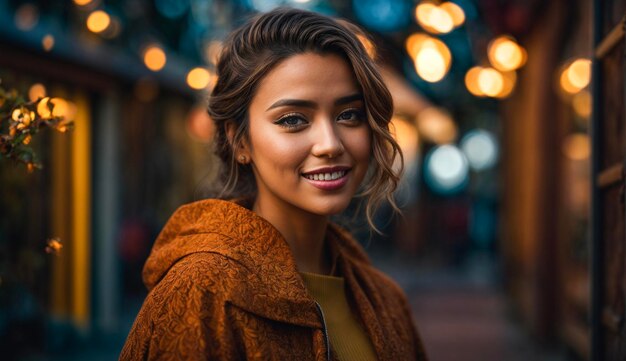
(243, 158)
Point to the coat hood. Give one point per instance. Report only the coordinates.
(261, 267)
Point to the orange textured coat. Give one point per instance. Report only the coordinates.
(224, 286)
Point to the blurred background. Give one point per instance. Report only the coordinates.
(512, 242)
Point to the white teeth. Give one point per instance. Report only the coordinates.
(326, 176)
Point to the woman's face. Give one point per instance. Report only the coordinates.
(309, 140)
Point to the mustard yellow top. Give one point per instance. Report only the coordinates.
(348, 340)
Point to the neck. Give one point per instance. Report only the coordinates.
(304, 232)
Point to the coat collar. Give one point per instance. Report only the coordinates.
(266, 281)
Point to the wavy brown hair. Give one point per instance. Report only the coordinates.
(255, 48)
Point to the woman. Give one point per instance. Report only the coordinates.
(302, 125)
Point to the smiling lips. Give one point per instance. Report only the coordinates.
(328, 178)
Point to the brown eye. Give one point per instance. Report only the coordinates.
(291, 121)
(352, 116)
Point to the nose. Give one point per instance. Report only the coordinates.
(327, 141)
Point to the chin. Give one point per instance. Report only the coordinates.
(328, 209)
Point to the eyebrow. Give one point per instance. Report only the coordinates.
(310, 104)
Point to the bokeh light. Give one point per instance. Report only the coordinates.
(198, 78)
(26, 17)
(446, 169)
(480, 148)
(436, 125)
(98, 21)
(407, 137)
(200, 126)
(82, 2)
(509, 79)
(490, 82)
(455, 11)
(439, 19)
(414, 43)
(47, 42)
(579, 73)
(154, 57)
(581, 102)
(505, 54)
(577, 146)
(36, 91)
(471, 81)
(433, 60)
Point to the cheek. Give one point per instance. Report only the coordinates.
(275, 150)
(360, 144)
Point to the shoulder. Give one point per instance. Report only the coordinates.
(202, 273)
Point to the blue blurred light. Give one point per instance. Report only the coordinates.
(172, 9)
(481, 149)
(446, 169)
(383, 15)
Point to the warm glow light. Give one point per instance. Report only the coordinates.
(581, 103)
(509, 78)
(433, 60)
(505, 54)
(441, 21)
(490, 82)
(82, 2)
(577, 146)
(471, 81)
(47, 42)
(406, 135)
(42, 108)
(579, 73)
(63, 108)
(439, 18)
(436, 125)
(198, 78)
(154, 58)
(414, 43)
(98, 21)
(422, 13)
(455, 11)
(566, 83)
(36, 91)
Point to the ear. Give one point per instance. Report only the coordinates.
(242, 148)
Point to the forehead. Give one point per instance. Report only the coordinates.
(308, 76)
